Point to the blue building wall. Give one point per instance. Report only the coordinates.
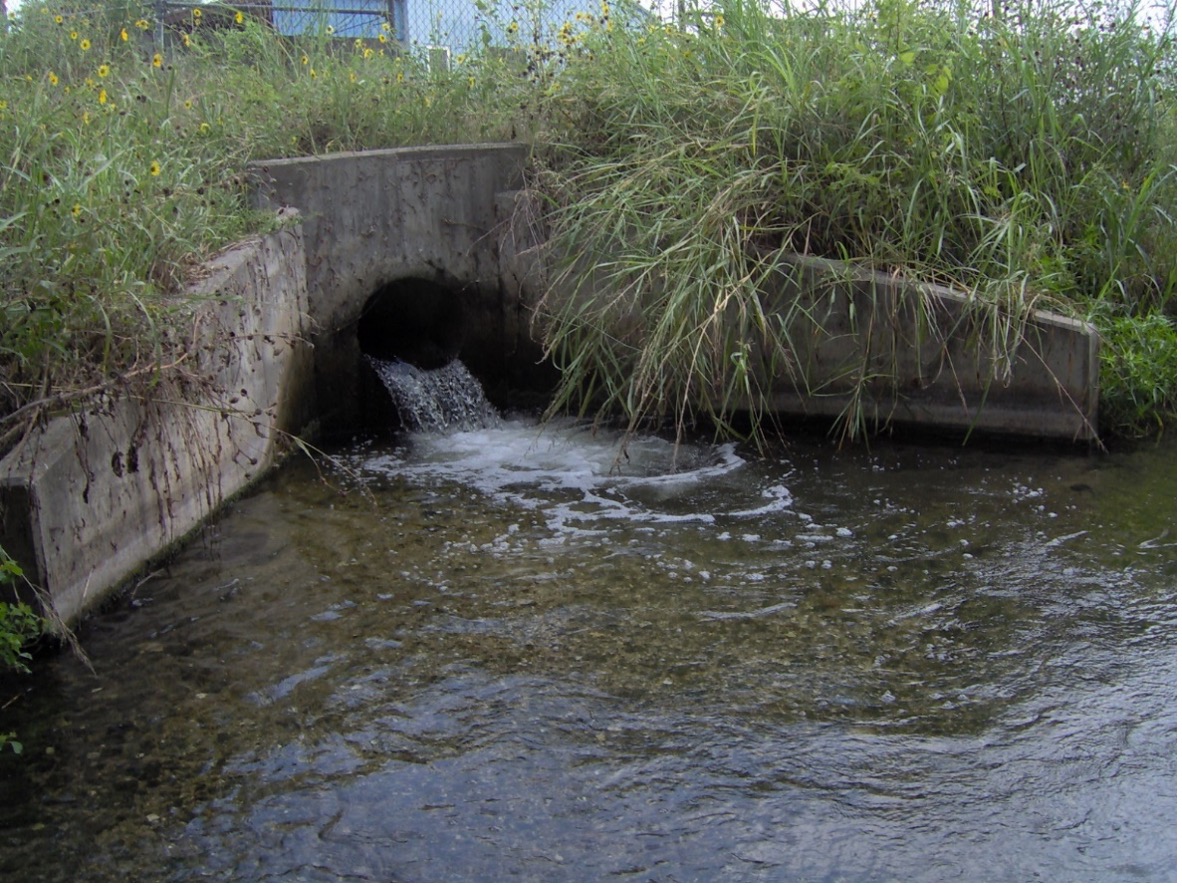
(347, 18)
(459, 25)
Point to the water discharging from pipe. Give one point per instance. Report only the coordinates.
(444, 399)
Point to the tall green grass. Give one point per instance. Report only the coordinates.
(1025, 157)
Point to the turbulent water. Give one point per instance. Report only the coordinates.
(522, 653)
(449, 398)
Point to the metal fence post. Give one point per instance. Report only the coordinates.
(398, 21)
(161, 11)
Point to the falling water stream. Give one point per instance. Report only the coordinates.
(522, 653)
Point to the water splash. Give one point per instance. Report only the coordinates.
(446, 399)
(573, 475)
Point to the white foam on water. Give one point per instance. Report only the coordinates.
(582, 480)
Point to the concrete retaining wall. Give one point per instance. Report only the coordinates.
(93, 497)
(875, 349)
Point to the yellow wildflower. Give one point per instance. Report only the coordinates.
(154, 168)
(239, 18)
(104, 70)
(303, 59)
(57, 19)
(53, 81)
(381, 38)
(123, 34)
(367, 53)
(158, 61)
(204, 128)
(330, 30)
(73, 35)
(385, 26)
(197, 14)
(84, 45)
(142, 24)
(76, 210)
(102, 96)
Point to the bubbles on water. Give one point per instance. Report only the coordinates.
(580, 491)
(579, 480)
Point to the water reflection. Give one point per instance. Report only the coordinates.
(516, 657)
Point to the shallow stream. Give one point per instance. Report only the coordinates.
(507, 655)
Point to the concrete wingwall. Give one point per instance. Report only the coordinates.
(427, 243)
(87, 501)
(882, 351)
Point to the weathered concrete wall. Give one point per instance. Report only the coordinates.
(375, 217)
(87, 502)
(896, 353)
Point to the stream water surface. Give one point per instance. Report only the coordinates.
(511, 654)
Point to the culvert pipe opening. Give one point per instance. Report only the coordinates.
(410, 334)
(420, 322)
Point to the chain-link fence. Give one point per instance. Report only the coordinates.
(439, 27)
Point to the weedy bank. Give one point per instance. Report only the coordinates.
(1022, 152)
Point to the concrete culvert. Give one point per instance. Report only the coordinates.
(418, 321)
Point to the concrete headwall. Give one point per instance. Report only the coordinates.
(376, 217)
(86, 502)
